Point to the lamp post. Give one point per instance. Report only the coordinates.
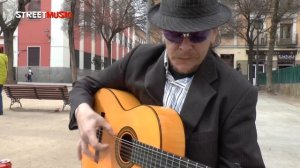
(258, 25)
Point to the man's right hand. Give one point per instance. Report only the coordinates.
(88, 123)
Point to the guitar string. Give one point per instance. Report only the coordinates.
(130, 145)
(154, 161)
(166, 159)
(165, 156)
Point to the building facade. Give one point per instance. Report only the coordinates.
(42, 44)
(234, 50)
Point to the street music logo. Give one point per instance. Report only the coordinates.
(44, 15)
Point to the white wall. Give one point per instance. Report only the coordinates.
(59, 55)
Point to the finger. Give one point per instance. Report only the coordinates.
(85, 150)
(79, 150)
(107, 126)
(94, 142)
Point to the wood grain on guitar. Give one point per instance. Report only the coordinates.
(147, 136)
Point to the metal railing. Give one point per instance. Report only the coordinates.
(285, 75)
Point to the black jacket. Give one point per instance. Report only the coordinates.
(218, 114)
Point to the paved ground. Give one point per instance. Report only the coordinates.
(37, 135)
(278, 124)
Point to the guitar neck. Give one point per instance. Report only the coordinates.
(148, 156)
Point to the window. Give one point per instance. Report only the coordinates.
(121, 39)
(76, 58)
(287, 4)
(34, 6)
(87, 60)
(285, 31)
(125, 42)
(228, 59)
(33, 56)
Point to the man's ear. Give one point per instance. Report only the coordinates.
(214, 34)
(213, 40)
(163, 39)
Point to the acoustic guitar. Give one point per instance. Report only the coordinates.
(146, 136)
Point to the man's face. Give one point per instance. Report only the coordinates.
(185, 56)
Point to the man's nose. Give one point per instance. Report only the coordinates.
(186, 44)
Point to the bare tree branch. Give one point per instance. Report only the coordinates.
(8, 23)
(109, 17)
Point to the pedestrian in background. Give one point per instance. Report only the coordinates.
(238, 67)
(3, 75)
(29, 75)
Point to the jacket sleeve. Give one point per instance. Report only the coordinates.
(238, 141)
(85, 88)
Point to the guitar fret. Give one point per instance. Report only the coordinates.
(142, 154)
(150, 156)
(136, 152)
(184, 163)
(167, 156)
(133, 152)
(163, 159)
(179, 161)
(145, 156)
(147, 153)
(160, 162)
(155, 157)
(172, 160)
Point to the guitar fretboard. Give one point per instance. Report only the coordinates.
(147, 156)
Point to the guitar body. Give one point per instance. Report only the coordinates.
(155, 126)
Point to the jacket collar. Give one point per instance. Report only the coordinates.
(200, 93)
(155, 80)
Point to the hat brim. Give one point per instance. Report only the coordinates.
(188, 24)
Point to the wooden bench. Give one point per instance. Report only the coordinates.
(51, 92)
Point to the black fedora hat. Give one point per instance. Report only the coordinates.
(188, 15)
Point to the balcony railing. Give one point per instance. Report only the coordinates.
(289, 42)
(263, 40)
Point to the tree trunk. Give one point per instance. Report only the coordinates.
(71, 42)
(9, 50)
(250, 63)
(149, 5)
(274, 22)
(108, 45)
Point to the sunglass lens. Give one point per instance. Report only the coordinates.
(175, 37)
(195, 37)
(198, 37)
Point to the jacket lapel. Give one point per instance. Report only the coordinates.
(194, 104)
(155, 80)
(199, 94)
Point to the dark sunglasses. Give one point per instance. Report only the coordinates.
(177, 37)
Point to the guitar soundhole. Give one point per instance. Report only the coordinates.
(124, 147)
